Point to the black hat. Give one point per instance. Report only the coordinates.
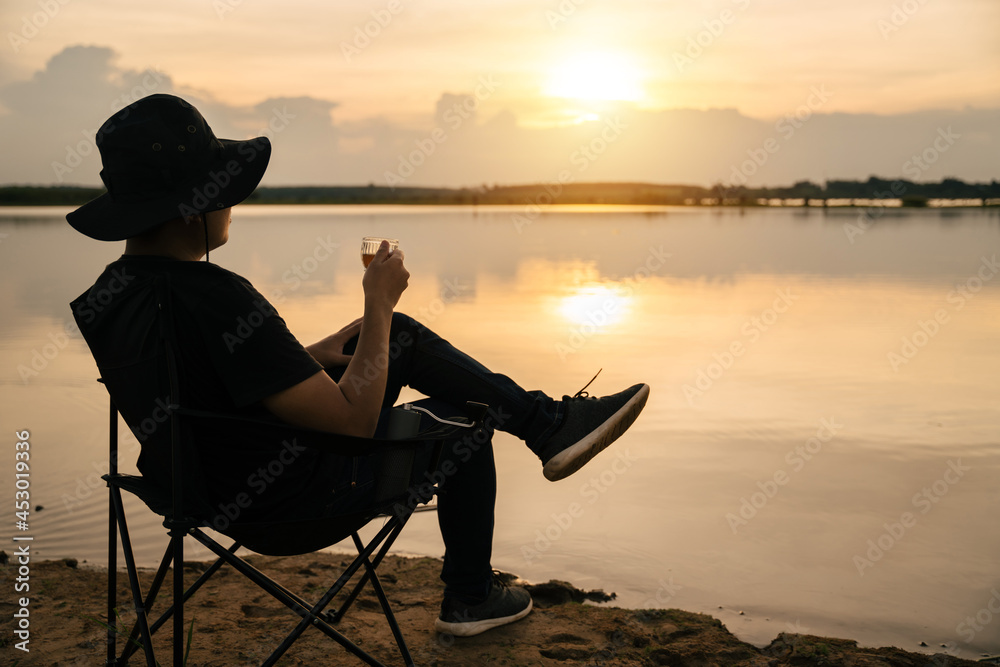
(161, 161)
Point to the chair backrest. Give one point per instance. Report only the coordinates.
(138, 368)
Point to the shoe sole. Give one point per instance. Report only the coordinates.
(470, 628)
(574, 457)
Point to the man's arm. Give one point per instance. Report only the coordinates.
(329, 352)
(352, 405)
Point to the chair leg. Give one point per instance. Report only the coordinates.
(206, 575)
(154, 588)
(310, 616)
(112, 636)
(177, 539)
(112, 582)
(339, 614)
(133, 578)
(384, 601)
(384, 538)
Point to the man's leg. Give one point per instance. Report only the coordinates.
(421, 359)
(467, 481)
(564, 434)
(474, 601)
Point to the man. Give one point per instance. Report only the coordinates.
(171, 185)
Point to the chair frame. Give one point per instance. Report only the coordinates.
(180, 525)
(369, 557)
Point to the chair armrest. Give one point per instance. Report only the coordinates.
(341, 445)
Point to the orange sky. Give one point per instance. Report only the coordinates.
(702, 85)
(395, 58)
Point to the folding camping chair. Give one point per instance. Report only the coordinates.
(397, 498)
(397, 494)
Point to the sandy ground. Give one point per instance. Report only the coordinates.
(237, 624)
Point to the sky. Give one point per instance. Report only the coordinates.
(705, 91)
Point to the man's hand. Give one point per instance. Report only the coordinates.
(352, 405)
(330, 351)
(385, 278)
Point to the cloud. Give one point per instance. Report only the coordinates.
(304, 136)
(50, 120)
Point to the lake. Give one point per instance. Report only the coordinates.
(820, 450)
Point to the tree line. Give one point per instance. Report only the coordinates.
(910, 192)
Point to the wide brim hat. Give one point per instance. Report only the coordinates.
(162, 161)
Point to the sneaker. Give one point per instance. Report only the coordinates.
(589, 425)
(505, 604)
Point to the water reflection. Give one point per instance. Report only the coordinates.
(551, 303)
(596, 304)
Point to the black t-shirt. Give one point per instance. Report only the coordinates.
(233, 349)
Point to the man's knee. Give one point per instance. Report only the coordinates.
(403, 333)
(401, 321)
(475, 445)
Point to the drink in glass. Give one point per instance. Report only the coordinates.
(369, 246)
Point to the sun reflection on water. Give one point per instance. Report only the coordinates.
(601, 304)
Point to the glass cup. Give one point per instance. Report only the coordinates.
(370, 244)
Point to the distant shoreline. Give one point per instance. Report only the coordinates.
(949, 193)
(933, 204)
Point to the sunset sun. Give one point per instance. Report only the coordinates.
(596, 76)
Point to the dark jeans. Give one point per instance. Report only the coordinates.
(422, 360)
